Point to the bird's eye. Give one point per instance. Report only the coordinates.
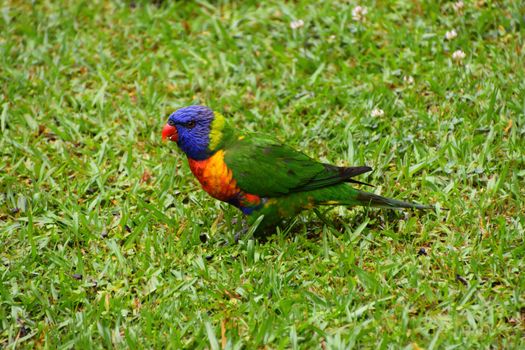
(190, 124)
(171, 122)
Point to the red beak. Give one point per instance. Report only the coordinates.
(170, 132)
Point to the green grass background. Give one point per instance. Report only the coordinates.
(101, 223)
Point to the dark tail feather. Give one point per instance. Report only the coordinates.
(374, 200)
(359, 182)
(347, 173)
(350, 172)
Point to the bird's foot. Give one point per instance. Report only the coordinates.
(240, 234)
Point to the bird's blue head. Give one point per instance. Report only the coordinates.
(190, 127)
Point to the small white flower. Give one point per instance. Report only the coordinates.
(377, 112)
(458, 6)
(359, 13)
(296, 24)
(451, 34)
(408, 79)
(458, 55)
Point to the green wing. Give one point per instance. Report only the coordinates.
(264, 167)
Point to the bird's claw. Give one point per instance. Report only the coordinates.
(240, 234)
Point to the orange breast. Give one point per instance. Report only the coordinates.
(215, 177)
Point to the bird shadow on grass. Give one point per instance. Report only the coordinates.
(373, 219)
(376, 219)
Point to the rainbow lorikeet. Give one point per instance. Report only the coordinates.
(260, 175)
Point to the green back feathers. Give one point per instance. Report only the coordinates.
(264, 167)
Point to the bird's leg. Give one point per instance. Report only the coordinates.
(240, 234)
(250, 228)
(239, 231)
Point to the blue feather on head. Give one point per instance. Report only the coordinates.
(193, 125)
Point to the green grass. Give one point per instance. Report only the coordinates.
(100, 222)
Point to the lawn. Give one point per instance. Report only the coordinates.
(108, 240)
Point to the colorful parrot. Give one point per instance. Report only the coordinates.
(261, 176)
